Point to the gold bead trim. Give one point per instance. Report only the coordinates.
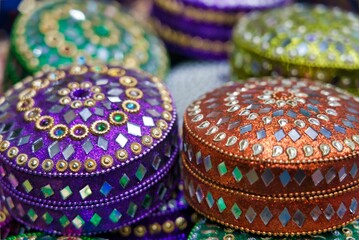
(83, 131)
(99, 69)
(106, 161)
(65, 100)
(122, 155)
(78, 70)
(94, 127)
(139, 231)
(90, 165)
(76, 104)
(27, 93)
(162, 124)
(46, 119)
(32, 114)
(12, 152)
(134, 93)
(40, 83)
(61, 165)
(185, 40)
(181, 223)
(56, 75)
(116, 72)
(33, 163)
(21, 159)
(156, 132)
(125, 231)
(167, 106)
(147, 140)
(134, 110)
(197, 14)
(167, 116)
(47, 165)
(136, 148)
(75, 165)
(128, 81)
(168, 226)
(155, 228)
(4, 145)
(24, 105)
(55, 128)
(113, 115)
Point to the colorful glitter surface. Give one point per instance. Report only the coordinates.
(207, 230)
(60, 33)
(300, 40)
(260, 154)
(87, 149)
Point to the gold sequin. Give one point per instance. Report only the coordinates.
(99, 69)
(2, 217)
(79, 131)
(75, 165)
(40, 83)
(24, 105)
(89, 102)
(122, 155)
(99, 96)
(130, 106)
(47, 165)
(136, 148)
(118, 118)
(116, 72)
(73, 85)
(78, 70)
(181, 223)
(90, 165)
(4, 145)
(65, 100)
(63, 91)
(139, 231)
(167, 106)
(59, 128)
(21, 159)
(156, 132)
(12, 152)
(162, 124)
(61, 165)
(125, 231)
(168, 226)
(86, 84)
(100, 127)
(44, 123)
(134, 93)
(27, 93)
(32, 114)
(147, 140)
(155, 228)
(76, 104)
(33, 163)
(167, 116)
(106, 161)
(56, 75)
(96, 89)
(128, 81)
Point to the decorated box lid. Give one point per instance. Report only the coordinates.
(87, 148)
(211, 24)
(206, 230)
(273, 155)
(299, 40)
(63, 32)
(173, 220)
(205, 75)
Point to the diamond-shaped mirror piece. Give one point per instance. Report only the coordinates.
(53, 149)
(87, 146)
(37, 145)
(85, 114)
(121, 140)
(252, 176)
(250, 215)
(102, 143)
(221, 205)
(69, 116)
(148, 121)
(141, 172)
(315, 213)
(199, 194)
(299, 218)
(317, 177)
(284, 217)
(284, 178)
(341, 210)
(329, 212)
(353, 206)
(267, 177)
(85, 192)
(236, 211)
(69, 150)
(209, 200)
(78, 222)
(133, 129)
(266, 215)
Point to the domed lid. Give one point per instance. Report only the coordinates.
(235, 4)
(83, 120)
(288, 134)
(62, 32)
(302, 34)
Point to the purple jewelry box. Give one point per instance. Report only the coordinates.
(202, 29)
(173, 220)
(87, 149)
